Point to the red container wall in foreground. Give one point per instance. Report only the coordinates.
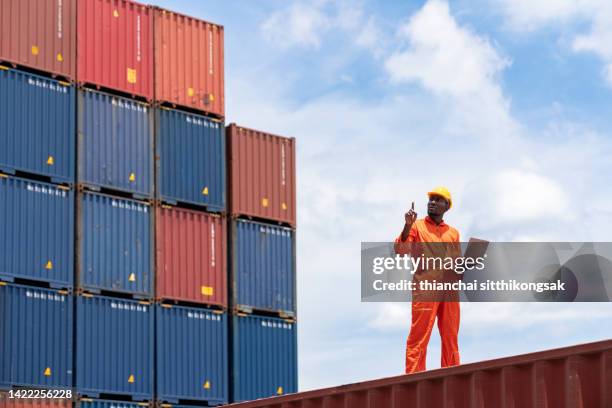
(571, 377)
(7, 402)
(115, 46)
(39, 34)
(262, 175)
(191, 256)
(189, 62)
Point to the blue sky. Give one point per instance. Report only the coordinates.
(506, 102)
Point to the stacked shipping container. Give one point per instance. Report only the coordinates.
(113, 179)
(262, 264)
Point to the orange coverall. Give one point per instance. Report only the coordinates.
(424, 313)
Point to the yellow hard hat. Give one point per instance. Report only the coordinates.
(442, 192)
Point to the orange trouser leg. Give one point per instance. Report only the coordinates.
(423, 317)
(448, 324)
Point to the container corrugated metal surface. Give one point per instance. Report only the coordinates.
(262, 175)
(114, 347)
(191, 159)
(191, 256)
(37, 125)
(115, 143)
(99, 403)
(189, 67)
(36, 232)
(576, 377)
(115, 46)
(192, 355)
(115, 248)
(39, 34)
(7, 402)
(263, 267)
(264, 357)
(36, 332)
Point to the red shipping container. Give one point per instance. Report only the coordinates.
(571, 377)
(39, 34)
(189, 62)
(191, 256)
(7, 402)
(115, 46)
(262, 175)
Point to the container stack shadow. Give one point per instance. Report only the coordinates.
(147, 253)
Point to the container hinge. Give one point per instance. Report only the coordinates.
(144, 302)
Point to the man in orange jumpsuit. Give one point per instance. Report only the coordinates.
(431, 229)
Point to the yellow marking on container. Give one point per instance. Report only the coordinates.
(279, 391)
(131, 75)
(3, 68)
(132, 177)
(115, 13)
(49, 265)
(190, 91)
(211, 97)
(60, 58)
(144, 302)
(132, 277)
(284, 206)
(34, 50)
(50, 161)
(2, 283)
(47, 372)
(207, 385)
(62, 292)
(264, 202)
(3, 175)
(64, 83)
(205, 191)
(131, 379)
(207, 290)
(166, 305)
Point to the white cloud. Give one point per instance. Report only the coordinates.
(306, 24)
(529, 15)
(299, 24)
(526, 196)
(445, 57)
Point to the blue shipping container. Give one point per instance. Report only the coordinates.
(115, 143)
(191, 161)
(37, 125)
(114, 347)
(36, 330)
(36, 231)
(264, 357)
(98, 403)
(192, 355)
(263, 267)
(115, 249)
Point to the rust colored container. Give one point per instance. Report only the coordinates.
(189, 62)
(262, 175)
(115, 46)
(39, 35)
(7, 402)
(571, 377)
(191, 256)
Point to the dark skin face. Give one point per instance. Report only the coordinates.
(436, 207)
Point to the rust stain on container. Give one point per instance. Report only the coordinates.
(572, 377)
(191, 256)
(39, 35)
(262, 175)
(115, 46)
(189, 67)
